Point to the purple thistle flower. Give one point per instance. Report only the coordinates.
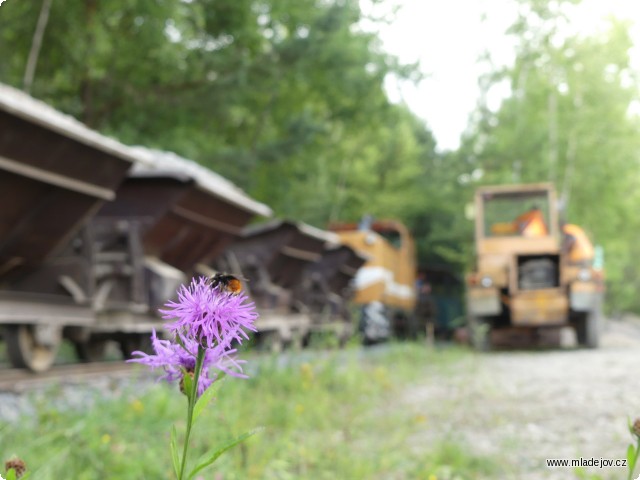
(176, 359)
(210, 315)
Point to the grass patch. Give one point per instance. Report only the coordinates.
(331, 415)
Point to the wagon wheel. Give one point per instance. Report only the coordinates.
(91, 350)
(587, 327)
(276, 343)
(480, 332)
(32, 346)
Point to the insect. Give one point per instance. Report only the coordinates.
(226, 282)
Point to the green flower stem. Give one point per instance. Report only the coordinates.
(193, 395)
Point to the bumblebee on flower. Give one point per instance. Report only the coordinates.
(208, 317)
(207, 320)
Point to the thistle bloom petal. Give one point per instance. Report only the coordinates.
(211, 316)
(179, 357)
(206, 322)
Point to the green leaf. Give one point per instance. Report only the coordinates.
(174, 451)
(205, 399)
(214, 456)
(631, 457)
(11, 474)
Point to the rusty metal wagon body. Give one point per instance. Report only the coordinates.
(54, 175)
(95, 235)
(327, 289)
(288, 265)
(169, 219)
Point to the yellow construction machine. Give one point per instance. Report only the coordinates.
(532, 276)
(385, 285)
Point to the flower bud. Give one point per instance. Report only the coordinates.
(186, 372)
(18, 466)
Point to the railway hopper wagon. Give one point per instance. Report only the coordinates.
(326, 290)
(54, 175)
(273, 257)
(95, 235)
(385, 285)
(169, 219)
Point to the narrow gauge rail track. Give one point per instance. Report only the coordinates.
(17, 380)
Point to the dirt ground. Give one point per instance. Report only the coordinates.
(523, 407)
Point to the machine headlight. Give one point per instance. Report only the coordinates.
(370, 239)
(486, 281)
(584, 275)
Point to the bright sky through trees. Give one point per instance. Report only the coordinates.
(448, 37)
